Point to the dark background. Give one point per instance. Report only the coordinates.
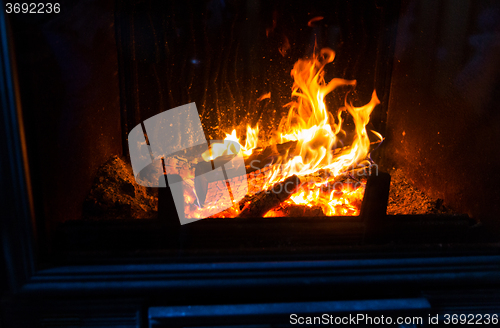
(224, 55)
(68, 76)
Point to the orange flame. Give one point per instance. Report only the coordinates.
(314, 128)
(264, 96)
(315, 19)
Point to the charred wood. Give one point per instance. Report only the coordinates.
(260, 204)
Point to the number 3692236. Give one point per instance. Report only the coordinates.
(32, 8)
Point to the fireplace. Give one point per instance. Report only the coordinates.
(379, 115)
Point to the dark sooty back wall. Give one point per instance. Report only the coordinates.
(68, 78)
(443, 118)
(224, 55)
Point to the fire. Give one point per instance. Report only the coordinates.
(314, 128)
(227, 147)
(342, 202)
(317, 132)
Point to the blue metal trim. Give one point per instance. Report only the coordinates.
(17, 238)
(404, 304)
(155, 278)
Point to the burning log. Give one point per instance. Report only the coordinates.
(261, 158)
(268, 156)
(294, 210)
(351, 178)
(261, 203)
(258, 167)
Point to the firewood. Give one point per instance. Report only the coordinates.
(296, 210)
(259, 167)
(271, 198)
(261, 158)
(327, 180)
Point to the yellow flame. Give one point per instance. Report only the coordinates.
(227, 147)
(315, 129)
(341, 202)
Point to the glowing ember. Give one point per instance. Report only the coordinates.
(316, 132)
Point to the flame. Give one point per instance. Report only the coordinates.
(315, 129)
(264, 96)
(341, 202)
(227, 148)
(317, 133)
(315, 19)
